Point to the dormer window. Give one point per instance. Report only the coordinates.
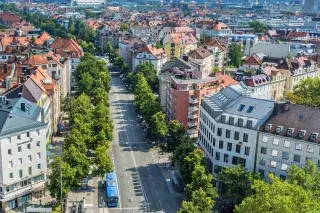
(268, 127)
(290, 131)
(302, 133)
(314, 136)
(279, 129)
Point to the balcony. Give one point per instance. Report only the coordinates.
(192, 124)
(192, 116)
(193, 109)
(193, 100)
(191, 131)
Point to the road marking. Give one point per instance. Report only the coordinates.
(134, 161)
(148, 169)
(88, 204)
(153, 183)
(128, 208)
(150, 176)
(157, 192)
(160, 201)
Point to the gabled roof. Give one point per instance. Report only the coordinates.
(253, 60)
(68, 45)
(200, 53)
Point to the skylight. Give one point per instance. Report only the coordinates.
(241, 107)
(249, 110)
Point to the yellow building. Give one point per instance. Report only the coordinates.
(176, 45)
(278, 81)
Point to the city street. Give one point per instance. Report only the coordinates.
(142, 186)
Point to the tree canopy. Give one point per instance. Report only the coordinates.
(307, 92)
(235, 54)
(258, 26)
(150, 73)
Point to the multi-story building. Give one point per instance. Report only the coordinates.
(69, 49)
(259, 84)
(175, 45)
(247, 41)
(203, 57)
(310, 6)
(150, 54)
(218, 50)
(229, 124)
(290, 137)
(23, 152)
(212, 31)
(183, 83)
(277, 83)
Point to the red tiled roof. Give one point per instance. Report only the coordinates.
(68, 45)
(253, 60)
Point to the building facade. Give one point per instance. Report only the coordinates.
(228, 130)
(23, 153)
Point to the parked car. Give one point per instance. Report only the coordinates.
(178, 182)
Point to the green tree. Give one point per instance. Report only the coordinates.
(201, 180)
(199, 203)
(278, 197)
(307, 92)
(81, 107)
(185, 147)
(66, 103)
(124, 27)
(237, 183)
(215, 69)
(54, 185)
(85, 84)
(102, 161)
(176, 132)
(158, 125)
(150, 73)
(119, 62)
(258, 26)
(193, 159)
(308, 177)
(71, 28)
(235, 54)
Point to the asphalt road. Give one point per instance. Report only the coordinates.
(142, 186)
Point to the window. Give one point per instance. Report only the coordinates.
(38, 155)
(274, 153)
(310, 149)
(37, 132)
(28, 146)
(298, 146)
(229, 146)
(285, 155)
(308, 159)
(273, 164)
(30, 170)
(236, 135)
(11, 175)
(225, 158)
(263, 150)
(38, 143)
(19, 149)
(296, 158)
(275, 141)
(250, 108)
(9, 140)
(217, 169)
(28, 134)
(227, 133)
(318, 163)
(19, 137)
(217, 155)
(245, 137)
(20, 173)
(261, 172)
(39, 166)
(241, 107)
(286, 144)
(9, 152)
(284, 167)
(262, 162)
(237, 160)
(220, 144)
(238, 148)
(219, 132)
(264, 139)
(20, 161)
(10, 164)
(247, 150)
(29, 158)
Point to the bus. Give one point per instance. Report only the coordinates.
(112, 194)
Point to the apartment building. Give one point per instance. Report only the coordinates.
(218, 29)
(228, 129)
(246, 40)
(277, 83)
(259, 84)
(219, 52)
(23, 152)
(290, 137)
(151, 54)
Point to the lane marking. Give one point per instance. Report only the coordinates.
(157, 192)
(153, 183)
(159, 201)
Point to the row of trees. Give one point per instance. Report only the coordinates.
(91, 129)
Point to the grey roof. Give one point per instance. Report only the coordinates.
(31, 91)
(298, 117)
(231, 101)
(13, 119)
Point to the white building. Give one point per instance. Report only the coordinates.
(291, 137)
(23, 152)
(150, 54)
(229, 124)
(247, 41)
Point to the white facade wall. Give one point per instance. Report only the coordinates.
(277, 154)
(145, 57)
(26, 161)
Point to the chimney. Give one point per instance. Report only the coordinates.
(23, 106)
